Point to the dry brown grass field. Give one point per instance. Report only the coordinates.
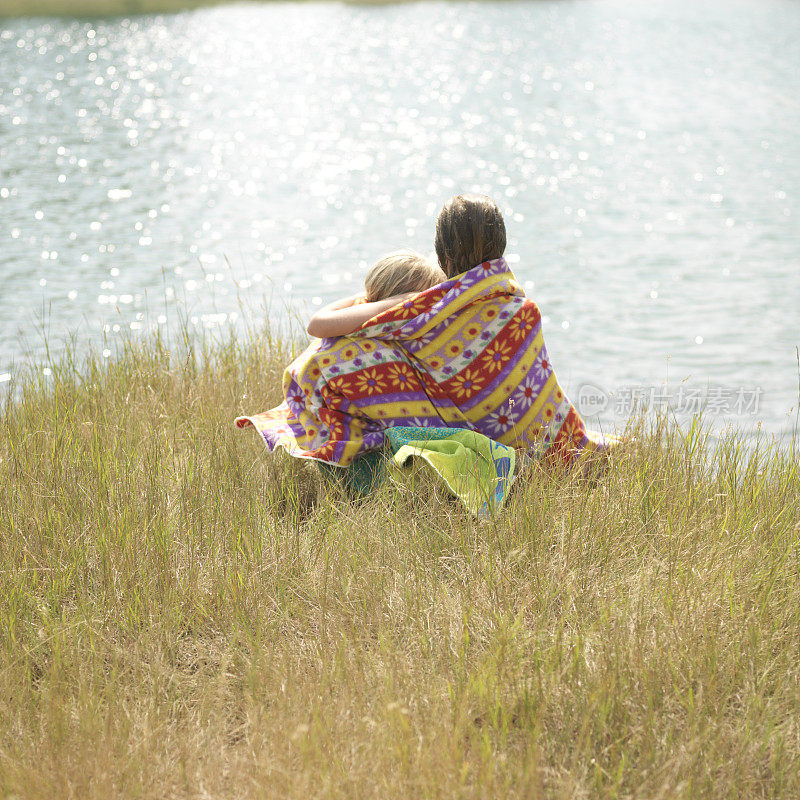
(183, 614)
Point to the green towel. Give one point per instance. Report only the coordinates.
(475, 468)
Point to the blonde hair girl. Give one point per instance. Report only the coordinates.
(389, 281)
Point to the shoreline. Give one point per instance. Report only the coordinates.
(16, 9)
(81, 9)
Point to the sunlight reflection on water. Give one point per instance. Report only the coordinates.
(645, 157)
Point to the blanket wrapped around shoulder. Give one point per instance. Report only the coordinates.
(467, 353)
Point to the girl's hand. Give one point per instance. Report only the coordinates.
(345, 302)
(343, 317)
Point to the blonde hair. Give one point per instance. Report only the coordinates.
(401, 272)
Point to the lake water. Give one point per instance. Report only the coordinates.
(645, 154)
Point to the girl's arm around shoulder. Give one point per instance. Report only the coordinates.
(343, 317)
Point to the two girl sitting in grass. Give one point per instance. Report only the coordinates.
(468, 354)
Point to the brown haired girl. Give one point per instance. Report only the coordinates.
(469, 231)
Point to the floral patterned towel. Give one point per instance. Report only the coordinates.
(467, 353)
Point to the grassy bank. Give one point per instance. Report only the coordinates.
(98, 8)
(183, 614)
(117, 8)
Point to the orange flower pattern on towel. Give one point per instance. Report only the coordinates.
(467, 353)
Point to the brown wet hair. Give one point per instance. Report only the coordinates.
(469, 231)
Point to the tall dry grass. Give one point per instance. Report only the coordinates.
(183, 614)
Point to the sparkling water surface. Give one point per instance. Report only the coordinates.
(239, 161)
